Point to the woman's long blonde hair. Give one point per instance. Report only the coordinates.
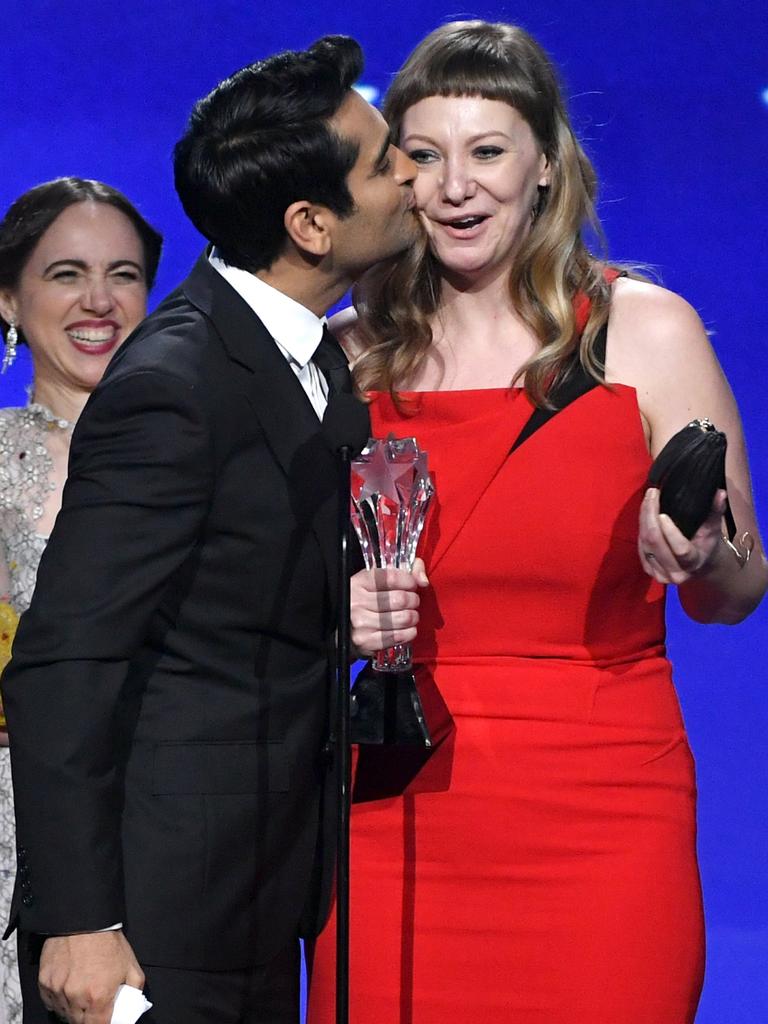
(397, 299)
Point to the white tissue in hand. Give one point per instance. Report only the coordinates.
(129, 1005)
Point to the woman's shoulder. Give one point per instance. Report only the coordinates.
(11, 417)
(344, 325)
(652, 329)
(660, 309)
(658, 345)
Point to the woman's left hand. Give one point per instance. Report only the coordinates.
(667, 554)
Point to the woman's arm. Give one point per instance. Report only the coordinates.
(657, 343)
(8, 623)
(5, 576)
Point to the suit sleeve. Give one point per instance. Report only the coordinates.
(132, 511)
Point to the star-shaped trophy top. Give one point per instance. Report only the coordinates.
(384, 464)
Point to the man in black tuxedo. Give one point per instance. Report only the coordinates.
(168, 699)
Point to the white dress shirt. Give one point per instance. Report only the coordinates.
(295, 329)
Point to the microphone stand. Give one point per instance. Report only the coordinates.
(343, 749)
(345, 425)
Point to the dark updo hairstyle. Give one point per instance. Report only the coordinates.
(30, 216)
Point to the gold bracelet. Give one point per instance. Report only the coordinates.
(746, 542)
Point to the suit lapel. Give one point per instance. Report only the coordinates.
(280, 404)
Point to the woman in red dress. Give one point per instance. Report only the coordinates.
(540, 868)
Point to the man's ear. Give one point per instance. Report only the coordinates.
(308, 227)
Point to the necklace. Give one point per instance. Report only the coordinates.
(44, 413)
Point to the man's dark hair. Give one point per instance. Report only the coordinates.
(261, 141)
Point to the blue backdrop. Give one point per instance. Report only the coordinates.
(671, 100)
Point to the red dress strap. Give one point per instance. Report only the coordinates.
(581, 303)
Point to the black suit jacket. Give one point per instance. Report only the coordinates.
(168, 698)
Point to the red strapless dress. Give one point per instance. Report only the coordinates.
(541, 867)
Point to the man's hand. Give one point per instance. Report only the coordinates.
(80, 974)
(384, 605)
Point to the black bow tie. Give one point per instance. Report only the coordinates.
(329, 357)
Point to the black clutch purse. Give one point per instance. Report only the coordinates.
(689, 471)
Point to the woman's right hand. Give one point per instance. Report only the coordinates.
(384, 607)
(666, 553)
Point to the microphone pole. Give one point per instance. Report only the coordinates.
(346, 426)
(344, 753)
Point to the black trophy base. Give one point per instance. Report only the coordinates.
(385, 708)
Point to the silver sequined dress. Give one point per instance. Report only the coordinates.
(26, 471)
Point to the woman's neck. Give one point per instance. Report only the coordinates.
(65, 403)
(479, 312)
(479, 339)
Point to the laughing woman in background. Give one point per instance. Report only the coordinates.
(76, 263)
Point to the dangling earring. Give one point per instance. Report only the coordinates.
(11, 341)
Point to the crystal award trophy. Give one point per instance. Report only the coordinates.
(391, 493)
